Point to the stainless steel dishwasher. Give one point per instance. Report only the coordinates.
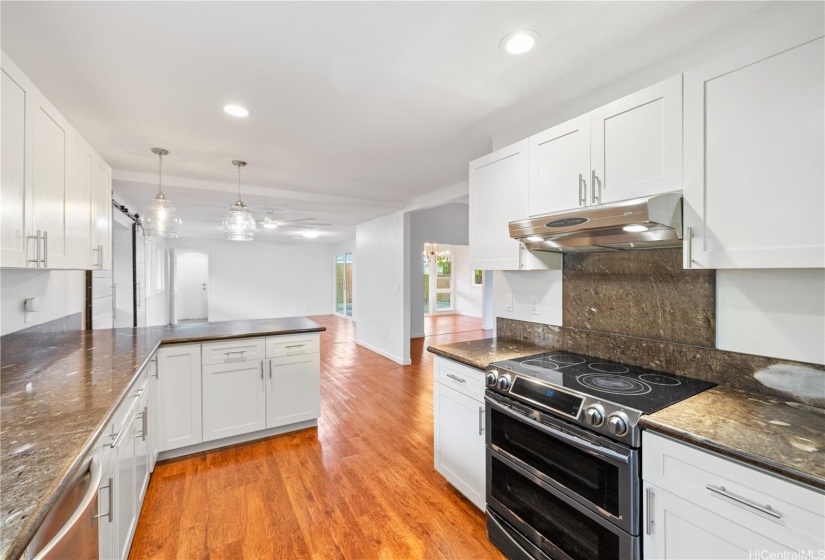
(70, 528)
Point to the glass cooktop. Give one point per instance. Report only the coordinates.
(638, 388)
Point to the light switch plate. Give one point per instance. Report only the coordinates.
(508, 302)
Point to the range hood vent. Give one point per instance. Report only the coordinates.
(652, 222)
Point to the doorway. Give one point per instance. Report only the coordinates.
(343, 285)
(191, 282)
(122, 275)
(439, 285)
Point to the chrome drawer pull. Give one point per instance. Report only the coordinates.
(457, 378)
(481, 420)
(649, 512)
(294, 346)
(766, 509)
(234, 352)
(110, 488)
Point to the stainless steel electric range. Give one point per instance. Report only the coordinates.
(563, 457)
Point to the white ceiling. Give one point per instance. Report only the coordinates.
(357, 107)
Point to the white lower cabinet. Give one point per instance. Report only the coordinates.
(152, 422)
(179, 396)
(125, 489)
(698, 505)
(141, 449)
(234, 399)
(458, 429)
(106, 528)
(293, 389)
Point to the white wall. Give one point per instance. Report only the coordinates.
(258, 279)
(467, 295)
(777, 313)
(382, 286)
(523, 285)
(448, 224)
(61, 293)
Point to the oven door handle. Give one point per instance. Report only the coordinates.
(558, 434)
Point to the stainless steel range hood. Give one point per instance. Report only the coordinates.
(643, 223)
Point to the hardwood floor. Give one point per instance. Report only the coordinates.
(361, 485)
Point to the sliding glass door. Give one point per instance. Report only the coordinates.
(438, 283)
(343, 284)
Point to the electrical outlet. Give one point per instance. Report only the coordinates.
(508, 302)
(534, 305)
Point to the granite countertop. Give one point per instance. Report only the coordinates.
(57, 393)
(479, 353)
(785, 438)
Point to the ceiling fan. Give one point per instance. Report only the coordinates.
(269, 221)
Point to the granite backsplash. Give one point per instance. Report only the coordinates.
(643, 309)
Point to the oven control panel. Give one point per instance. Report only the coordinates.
(606, 418)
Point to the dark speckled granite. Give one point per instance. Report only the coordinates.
(646, 294)
(58, 392)
(784, 438)
(479, 353)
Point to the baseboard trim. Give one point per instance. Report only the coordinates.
(468, 315)
(387, 355)
(234, 440)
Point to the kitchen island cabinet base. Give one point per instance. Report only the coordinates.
(235, 440)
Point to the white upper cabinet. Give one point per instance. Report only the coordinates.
(53, 185)
(498, 196)
(13, 211)
(559, 167)
(636, 144)
(754, 167)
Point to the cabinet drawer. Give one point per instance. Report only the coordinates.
(465, 379)
(791, 514)
(289, 345)
(236, 350)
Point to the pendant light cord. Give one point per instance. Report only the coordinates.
(160, 173)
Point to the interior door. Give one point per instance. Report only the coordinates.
(191, 278)
(124, 315)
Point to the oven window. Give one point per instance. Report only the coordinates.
(575, 534)
(585, 474)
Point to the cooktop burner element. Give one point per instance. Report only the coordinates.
(613, 384)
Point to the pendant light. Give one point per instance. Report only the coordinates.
(238, 224)
(160, 218)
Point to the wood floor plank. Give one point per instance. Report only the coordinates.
(359, 486)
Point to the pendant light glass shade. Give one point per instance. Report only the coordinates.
(160, 218)
(239, 224)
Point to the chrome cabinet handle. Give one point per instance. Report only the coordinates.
(36, 259)
(689, 262)
(145, 428)
(234, 352)
(457, 378)
(594, 181)
(270, 369)
(111, 502)
(142, 416)
(155, 361)
(481, 420)
(262, 371)
(294, 346)
(766, 509)
(100, 257)
(582, 190)
(45, 249)
(649, 512)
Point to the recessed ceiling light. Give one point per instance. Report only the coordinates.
(236, 110)
(635, 228)
(533, 239)
(310, 233)
(519, 42)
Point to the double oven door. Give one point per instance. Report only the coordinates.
(557, 490)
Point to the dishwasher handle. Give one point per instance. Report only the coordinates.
(84, 513)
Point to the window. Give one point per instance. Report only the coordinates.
(478, 277)
(441, 291)
(343, 284)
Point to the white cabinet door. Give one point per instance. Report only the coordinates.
(459, 442)
(141, 449)
(125, 488)
(78, 206)
(179, 396)
(106, 528)
(101, 216)
(754, 164)
(498, 196)
(49, 184)
(676, 529)
(14, 221)
(293, 389)
(152, 424)
(234, 399)
(636, 144)
(559, 167)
